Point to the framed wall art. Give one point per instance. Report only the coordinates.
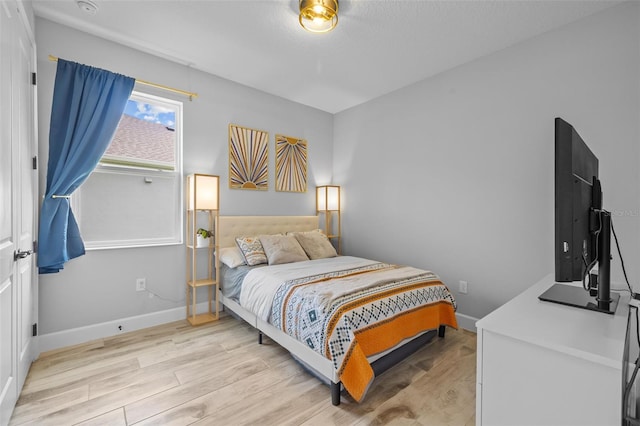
(248, 158)
(291, 164)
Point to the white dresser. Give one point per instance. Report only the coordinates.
(542, 363)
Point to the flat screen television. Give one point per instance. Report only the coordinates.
(582, 227)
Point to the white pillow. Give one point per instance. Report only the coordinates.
(232, 257)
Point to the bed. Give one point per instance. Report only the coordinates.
(346, 319)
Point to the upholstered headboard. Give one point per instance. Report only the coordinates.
(237, 226)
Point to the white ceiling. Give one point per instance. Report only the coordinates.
(378, 46)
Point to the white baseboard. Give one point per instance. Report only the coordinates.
(75, 336)
(467, 322)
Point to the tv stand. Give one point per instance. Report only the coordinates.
(545, 363)
(578, 297)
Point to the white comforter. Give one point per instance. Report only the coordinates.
(260, 284)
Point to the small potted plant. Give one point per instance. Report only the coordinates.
(202, 237)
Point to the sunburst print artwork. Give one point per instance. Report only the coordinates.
(248, 158)
(291, 164)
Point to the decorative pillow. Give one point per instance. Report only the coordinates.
(252, 250)
(282, 249)
(316, 245)
(232, 257)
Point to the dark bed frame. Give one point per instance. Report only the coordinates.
(383, 363)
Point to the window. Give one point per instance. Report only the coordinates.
(134, 196)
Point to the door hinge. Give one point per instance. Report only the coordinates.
(35, 163)
(35, 246)
(34, 329)
(33, 78)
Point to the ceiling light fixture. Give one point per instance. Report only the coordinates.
(318, 16)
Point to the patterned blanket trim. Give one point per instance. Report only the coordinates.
(416, 292)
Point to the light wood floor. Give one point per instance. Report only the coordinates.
(176, 374)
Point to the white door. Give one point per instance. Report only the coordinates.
(25, 211)
(18, 186)
(8, 158)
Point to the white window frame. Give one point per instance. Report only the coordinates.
(144, 172)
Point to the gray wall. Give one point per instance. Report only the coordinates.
(100, 286)
(455, 173)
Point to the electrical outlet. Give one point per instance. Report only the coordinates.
(463, 287)
(141, 284)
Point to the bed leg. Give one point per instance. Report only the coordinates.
(259, 337)
(335, 393)
(441, 331)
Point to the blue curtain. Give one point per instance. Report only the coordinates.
(87, 106)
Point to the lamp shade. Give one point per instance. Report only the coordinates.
(203, 192)
(328, 198)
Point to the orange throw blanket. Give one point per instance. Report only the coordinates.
(354, 314)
